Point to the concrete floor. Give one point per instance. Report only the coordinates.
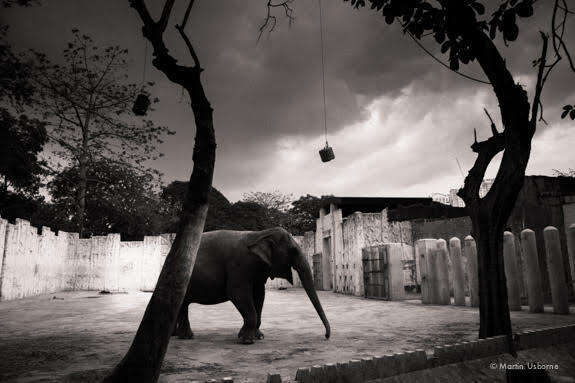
(44, 339)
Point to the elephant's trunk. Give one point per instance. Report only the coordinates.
(306, 277)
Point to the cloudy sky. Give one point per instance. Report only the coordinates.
(396, 119)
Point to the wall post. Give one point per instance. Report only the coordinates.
(444, 297)
(457, 268)
(534, 285)
(556, 270)
(511, 272)
(472, 272)
(423, 249)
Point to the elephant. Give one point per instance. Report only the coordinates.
(235, 265)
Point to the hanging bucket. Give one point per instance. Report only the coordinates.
(141, 105)
(326, 153)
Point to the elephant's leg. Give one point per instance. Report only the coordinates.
(243, 299)
(259, 296)
(183, 329)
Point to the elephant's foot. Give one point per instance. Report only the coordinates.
(246, 340)
(246, 336)
(259, 334)
(185, 333)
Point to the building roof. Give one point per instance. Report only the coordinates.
(350, 205)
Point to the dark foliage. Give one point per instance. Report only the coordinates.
(21, 140)
(119, 199)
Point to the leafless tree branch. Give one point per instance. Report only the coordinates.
(271, 20)
(493, 128)
(163, 22)
(180, 29)
(539, 84)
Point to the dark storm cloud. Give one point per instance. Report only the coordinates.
(396, 118)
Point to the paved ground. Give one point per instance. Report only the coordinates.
(44, 339)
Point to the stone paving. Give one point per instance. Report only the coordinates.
(61, 336)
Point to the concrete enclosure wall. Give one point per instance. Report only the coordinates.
(40, 261)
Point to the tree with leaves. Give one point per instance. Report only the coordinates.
(564, 173)
(220, 214)
(143, 360)
(87, 102)
(466, 34)
(304, 212)
(21, 141)
(274, 200)
(119, 199)
(22, 138)
(275, 206)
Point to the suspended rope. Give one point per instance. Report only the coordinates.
(142, 102)
(145, 62)
(326, 154)
(322, 70)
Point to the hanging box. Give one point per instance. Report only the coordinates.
(141, 105)
(326, 154)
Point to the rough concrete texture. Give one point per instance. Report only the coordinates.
(511, 271)
(347, 236)
(458, 273)
(33, 264)
(350, 272)
(395, 270)
(556, 270)
(423, 249)
(470, 251)
(534, 284)
(442, 273)
(45, 339)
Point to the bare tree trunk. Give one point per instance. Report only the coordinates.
(81, 195)
(494, 310)
(143, 361)
(490, 214)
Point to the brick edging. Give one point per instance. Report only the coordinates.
(379, 367)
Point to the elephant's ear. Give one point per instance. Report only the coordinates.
(262, 246)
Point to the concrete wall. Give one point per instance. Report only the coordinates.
(33, 263)
(349, 267)
(37, 262)
(340, 240)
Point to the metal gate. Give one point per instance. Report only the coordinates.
(375, 272)
(317, 274)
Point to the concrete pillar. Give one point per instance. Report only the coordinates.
(443, 273)
(457, 268)
(368, 260)
(470, 250)
(511, 272)
(534, 285)
(395, 271)
(336, 244)
(571, 250)
(432, 273)
(556, 270)
(423, 248)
